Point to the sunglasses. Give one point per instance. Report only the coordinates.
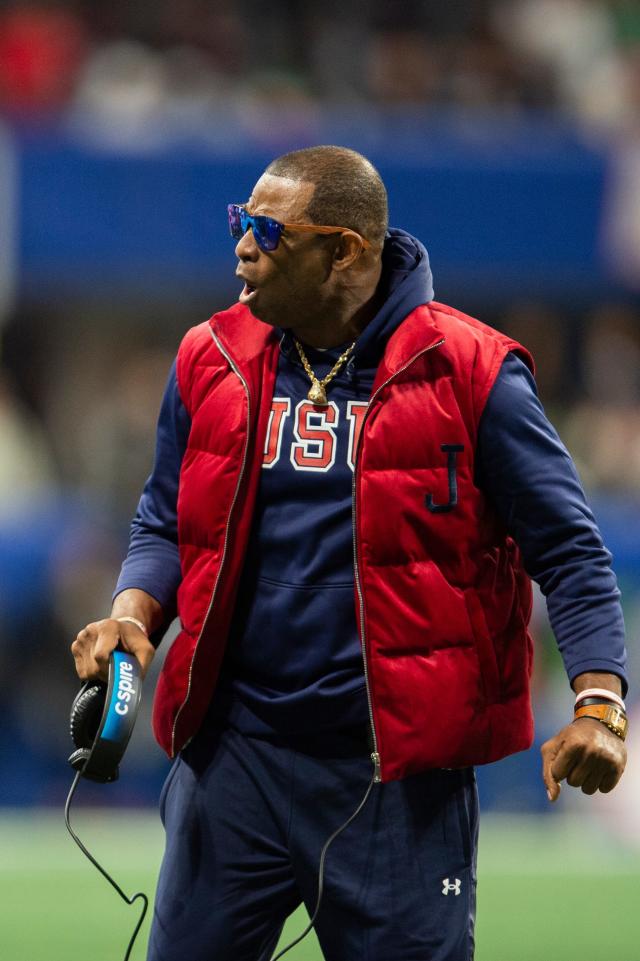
(267, 231)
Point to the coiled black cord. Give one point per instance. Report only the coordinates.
(102, 871)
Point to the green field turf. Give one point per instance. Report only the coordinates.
(549, 890)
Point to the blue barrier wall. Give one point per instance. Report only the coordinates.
(517, 210)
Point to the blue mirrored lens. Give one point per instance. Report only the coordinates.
(236, 228)
(266, 231)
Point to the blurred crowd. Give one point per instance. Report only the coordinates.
(243, 61)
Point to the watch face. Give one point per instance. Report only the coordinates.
(615, 721)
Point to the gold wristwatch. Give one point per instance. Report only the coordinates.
(609, 715)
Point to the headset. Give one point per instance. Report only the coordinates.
(103, 717)
(102, 720)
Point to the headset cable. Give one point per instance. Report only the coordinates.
(103, 872)
(321, 872)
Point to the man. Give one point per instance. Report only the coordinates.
(343, 471)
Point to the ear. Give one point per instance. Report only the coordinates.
(347, 250)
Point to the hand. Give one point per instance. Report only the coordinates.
(94, 644)
(587, 754)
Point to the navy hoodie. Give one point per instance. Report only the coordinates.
(293, 661)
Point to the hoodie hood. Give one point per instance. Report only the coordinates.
(406, 283)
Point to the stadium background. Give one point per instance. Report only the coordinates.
(508, 134)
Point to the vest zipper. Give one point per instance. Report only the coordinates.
(226, 537)
(375, 754)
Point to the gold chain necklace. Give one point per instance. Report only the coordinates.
(317, 393)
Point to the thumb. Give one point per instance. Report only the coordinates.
(549, 753)
(135, 642)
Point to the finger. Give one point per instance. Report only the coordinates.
(137, 643)
(610, 779)
(145, 656)
(81, 649)
(580, 772)
(81, 643)
(587, 774)
(567, 758)
(549, 750)
(591, 783)
(106, 642)
(131, 637)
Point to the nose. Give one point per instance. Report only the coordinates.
(247, 248)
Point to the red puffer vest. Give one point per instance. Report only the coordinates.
(441, 598)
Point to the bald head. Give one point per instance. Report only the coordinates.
(349, 191)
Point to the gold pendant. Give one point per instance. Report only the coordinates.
(317, 394)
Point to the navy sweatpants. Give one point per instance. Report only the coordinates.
(246, 820)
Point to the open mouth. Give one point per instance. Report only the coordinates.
(247, 294)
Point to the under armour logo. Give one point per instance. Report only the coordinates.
(455, 887)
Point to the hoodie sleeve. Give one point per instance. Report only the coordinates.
(527, 473)
(152, 563)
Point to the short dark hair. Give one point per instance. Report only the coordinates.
(349, 190)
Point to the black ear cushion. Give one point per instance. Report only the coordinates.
(78, 758)
(86, 714)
